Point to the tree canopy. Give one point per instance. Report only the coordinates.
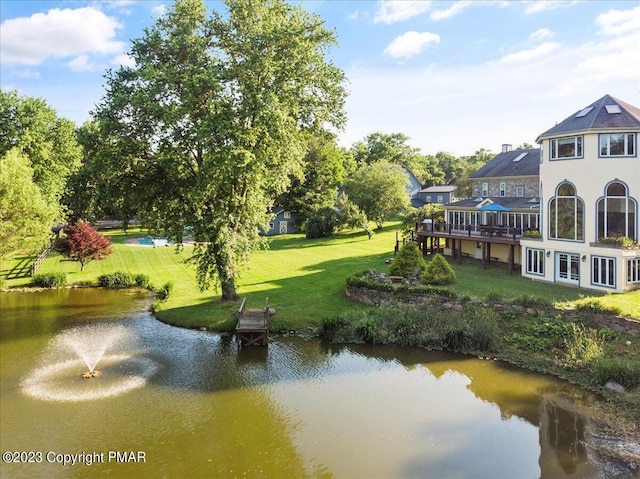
(326, 167)
(26, 217)
(212, 119)
(379, 190)
(46, 140)
(83, 243)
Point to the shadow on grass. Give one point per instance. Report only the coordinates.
(300, 301)
(22, 268)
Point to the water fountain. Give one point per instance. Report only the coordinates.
(111, 346)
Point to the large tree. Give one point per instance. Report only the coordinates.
(326, 167)
(379, 190)
(26, 217)
(48, 141)
(394, 148)
(211, 120)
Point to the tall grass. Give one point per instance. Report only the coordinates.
(470, 330)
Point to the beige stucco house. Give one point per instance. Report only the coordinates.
(589, 191)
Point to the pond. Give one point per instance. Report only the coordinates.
(178, 403)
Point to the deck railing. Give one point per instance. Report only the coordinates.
(475, 229)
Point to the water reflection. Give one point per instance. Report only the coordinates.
(299, 408)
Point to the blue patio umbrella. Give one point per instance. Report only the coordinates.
(493, 207)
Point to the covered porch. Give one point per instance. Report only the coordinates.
(465, 241)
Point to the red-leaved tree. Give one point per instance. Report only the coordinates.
(84, 244)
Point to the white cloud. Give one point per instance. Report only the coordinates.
(159, 10)
(616, 22)
(123, 60)
(410, 44)
(541, 34)
(531, 54)
(454, 9)
(537, 6)
(82, 63)
(59, 33)
(400, 10)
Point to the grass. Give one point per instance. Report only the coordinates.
(303, 279)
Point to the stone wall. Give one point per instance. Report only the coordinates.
(375, 297)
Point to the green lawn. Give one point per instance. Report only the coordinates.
(303, 279)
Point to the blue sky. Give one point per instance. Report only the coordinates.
(454, 76)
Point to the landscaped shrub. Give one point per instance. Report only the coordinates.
(438, 271)
(49, 280)
(142, 281)
(625, 373)
(407, 261)
(165, 290)
(119, 279)
(323, 223)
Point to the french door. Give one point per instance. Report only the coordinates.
(568, 268)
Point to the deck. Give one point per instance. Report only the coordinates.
(252, 328)
(486, 235)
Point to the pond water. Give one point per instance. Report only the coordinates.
(184, 403)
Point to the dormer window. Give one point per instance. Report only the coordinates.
(617, 144)
(566, 148)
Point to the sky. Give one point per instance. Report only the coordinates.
(453, 76)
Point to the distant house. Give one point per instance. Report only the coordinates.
(442, 195)
(420, 196)
(590, 186)
(505, 193)
(283, 222)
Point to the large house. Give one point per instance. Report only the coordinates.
(566, 212)
(590, 185)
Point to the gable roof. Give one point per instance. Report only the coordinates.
(511, 163)
(600, 115)
(439, 189)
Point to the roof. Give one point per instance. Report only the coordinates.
(511, 163)
(439, 189)
(508, 202)
(600, 115)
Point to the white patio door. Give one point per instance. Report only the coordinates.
(568, 268)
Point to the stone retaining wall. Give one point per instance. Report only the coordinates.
(375, 297)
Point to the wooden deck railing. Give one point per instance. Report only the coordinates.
(470, 230)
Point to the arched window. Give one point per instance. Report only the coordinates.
(566, 214)
(617, 212)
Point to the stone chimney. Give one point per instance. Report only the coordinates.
(506, 148)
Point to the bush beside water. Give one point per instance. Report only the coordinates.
(49, 280)
(469, 331)
(121, 279)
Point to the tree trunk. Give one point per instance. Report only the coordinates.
(229, 290)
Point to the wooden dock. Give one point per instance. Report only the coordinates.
(252, 328)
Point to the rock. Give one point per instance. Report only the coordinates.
(614, 386)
